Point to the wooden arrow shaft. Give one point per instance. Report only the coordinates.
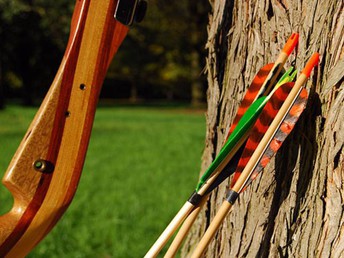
(241, 181)
(269, 134)
(265, 89)
(169, 230)
(184, 230)
(256, 156)
(211, 231)
(268, 83)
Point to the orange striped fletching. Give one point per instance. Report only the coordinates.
(260, 127)
(283, 131)
(251, 94)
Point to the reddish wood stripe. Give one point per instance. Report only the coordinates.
(111, 40)
(54, 145)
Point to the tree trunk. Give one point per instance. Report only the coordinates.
(199, 10)
(196, 84)
(295, 208)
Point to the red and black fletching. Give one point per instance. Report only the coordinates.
(251, 94)
(284, 130)
(261, 126)
(263, 123)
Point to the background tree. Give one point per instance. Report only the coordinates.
(295, 208)
(33, 37)
(159, 59)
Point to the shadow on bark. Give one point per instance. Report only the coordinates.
(301, 141)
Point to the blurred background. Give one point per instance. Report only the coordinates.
(148, 136)
(161, 59)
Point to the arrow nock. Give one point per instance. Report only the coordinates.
(291, 43)
(313, 61)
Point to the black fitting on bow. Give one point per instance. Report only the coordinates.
(129, 11)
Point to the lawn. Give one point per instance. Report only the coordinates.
(142, 164)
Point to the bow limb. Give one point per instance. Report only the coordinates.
(44, 172)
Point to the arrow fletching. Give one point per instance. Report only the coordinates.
(284, 130)
(288, 76)
(247, 116)
(251, 94)
(244, 126)
(261, 126)
(260, 87)
(280, 127)
(238, 133)
(274, 103)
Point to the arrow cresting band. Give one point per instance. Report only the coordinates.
(232, 196)
(195, 198)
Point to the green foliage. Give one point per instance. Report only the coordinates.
(158, 51)
(154, 57)
(142, 164)
(54, 17)
(33, 36)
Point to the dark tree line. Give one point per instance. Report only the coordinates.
(161, 57)
(294, 208)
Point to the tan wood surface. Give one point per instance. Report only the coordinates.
(60, 130)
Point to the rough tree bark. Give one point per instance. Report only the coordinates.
(295, 208)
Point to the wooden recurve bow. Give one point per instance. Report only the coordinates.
(45, 170)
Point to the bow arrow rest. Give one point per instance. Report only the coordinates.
(129, 11)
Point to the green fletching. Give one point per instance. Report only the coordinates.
(288, 76)
(245, 123)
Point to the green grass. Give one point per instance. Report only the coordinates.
(142, 164)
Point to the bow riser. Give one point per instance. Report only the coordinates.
(45, 171)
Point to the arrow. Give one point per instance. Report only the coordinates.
(245, 118)
(241, 128)
(276, 98)
(279, 128)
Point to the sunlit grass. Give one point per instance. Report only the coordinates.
(142, 164)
